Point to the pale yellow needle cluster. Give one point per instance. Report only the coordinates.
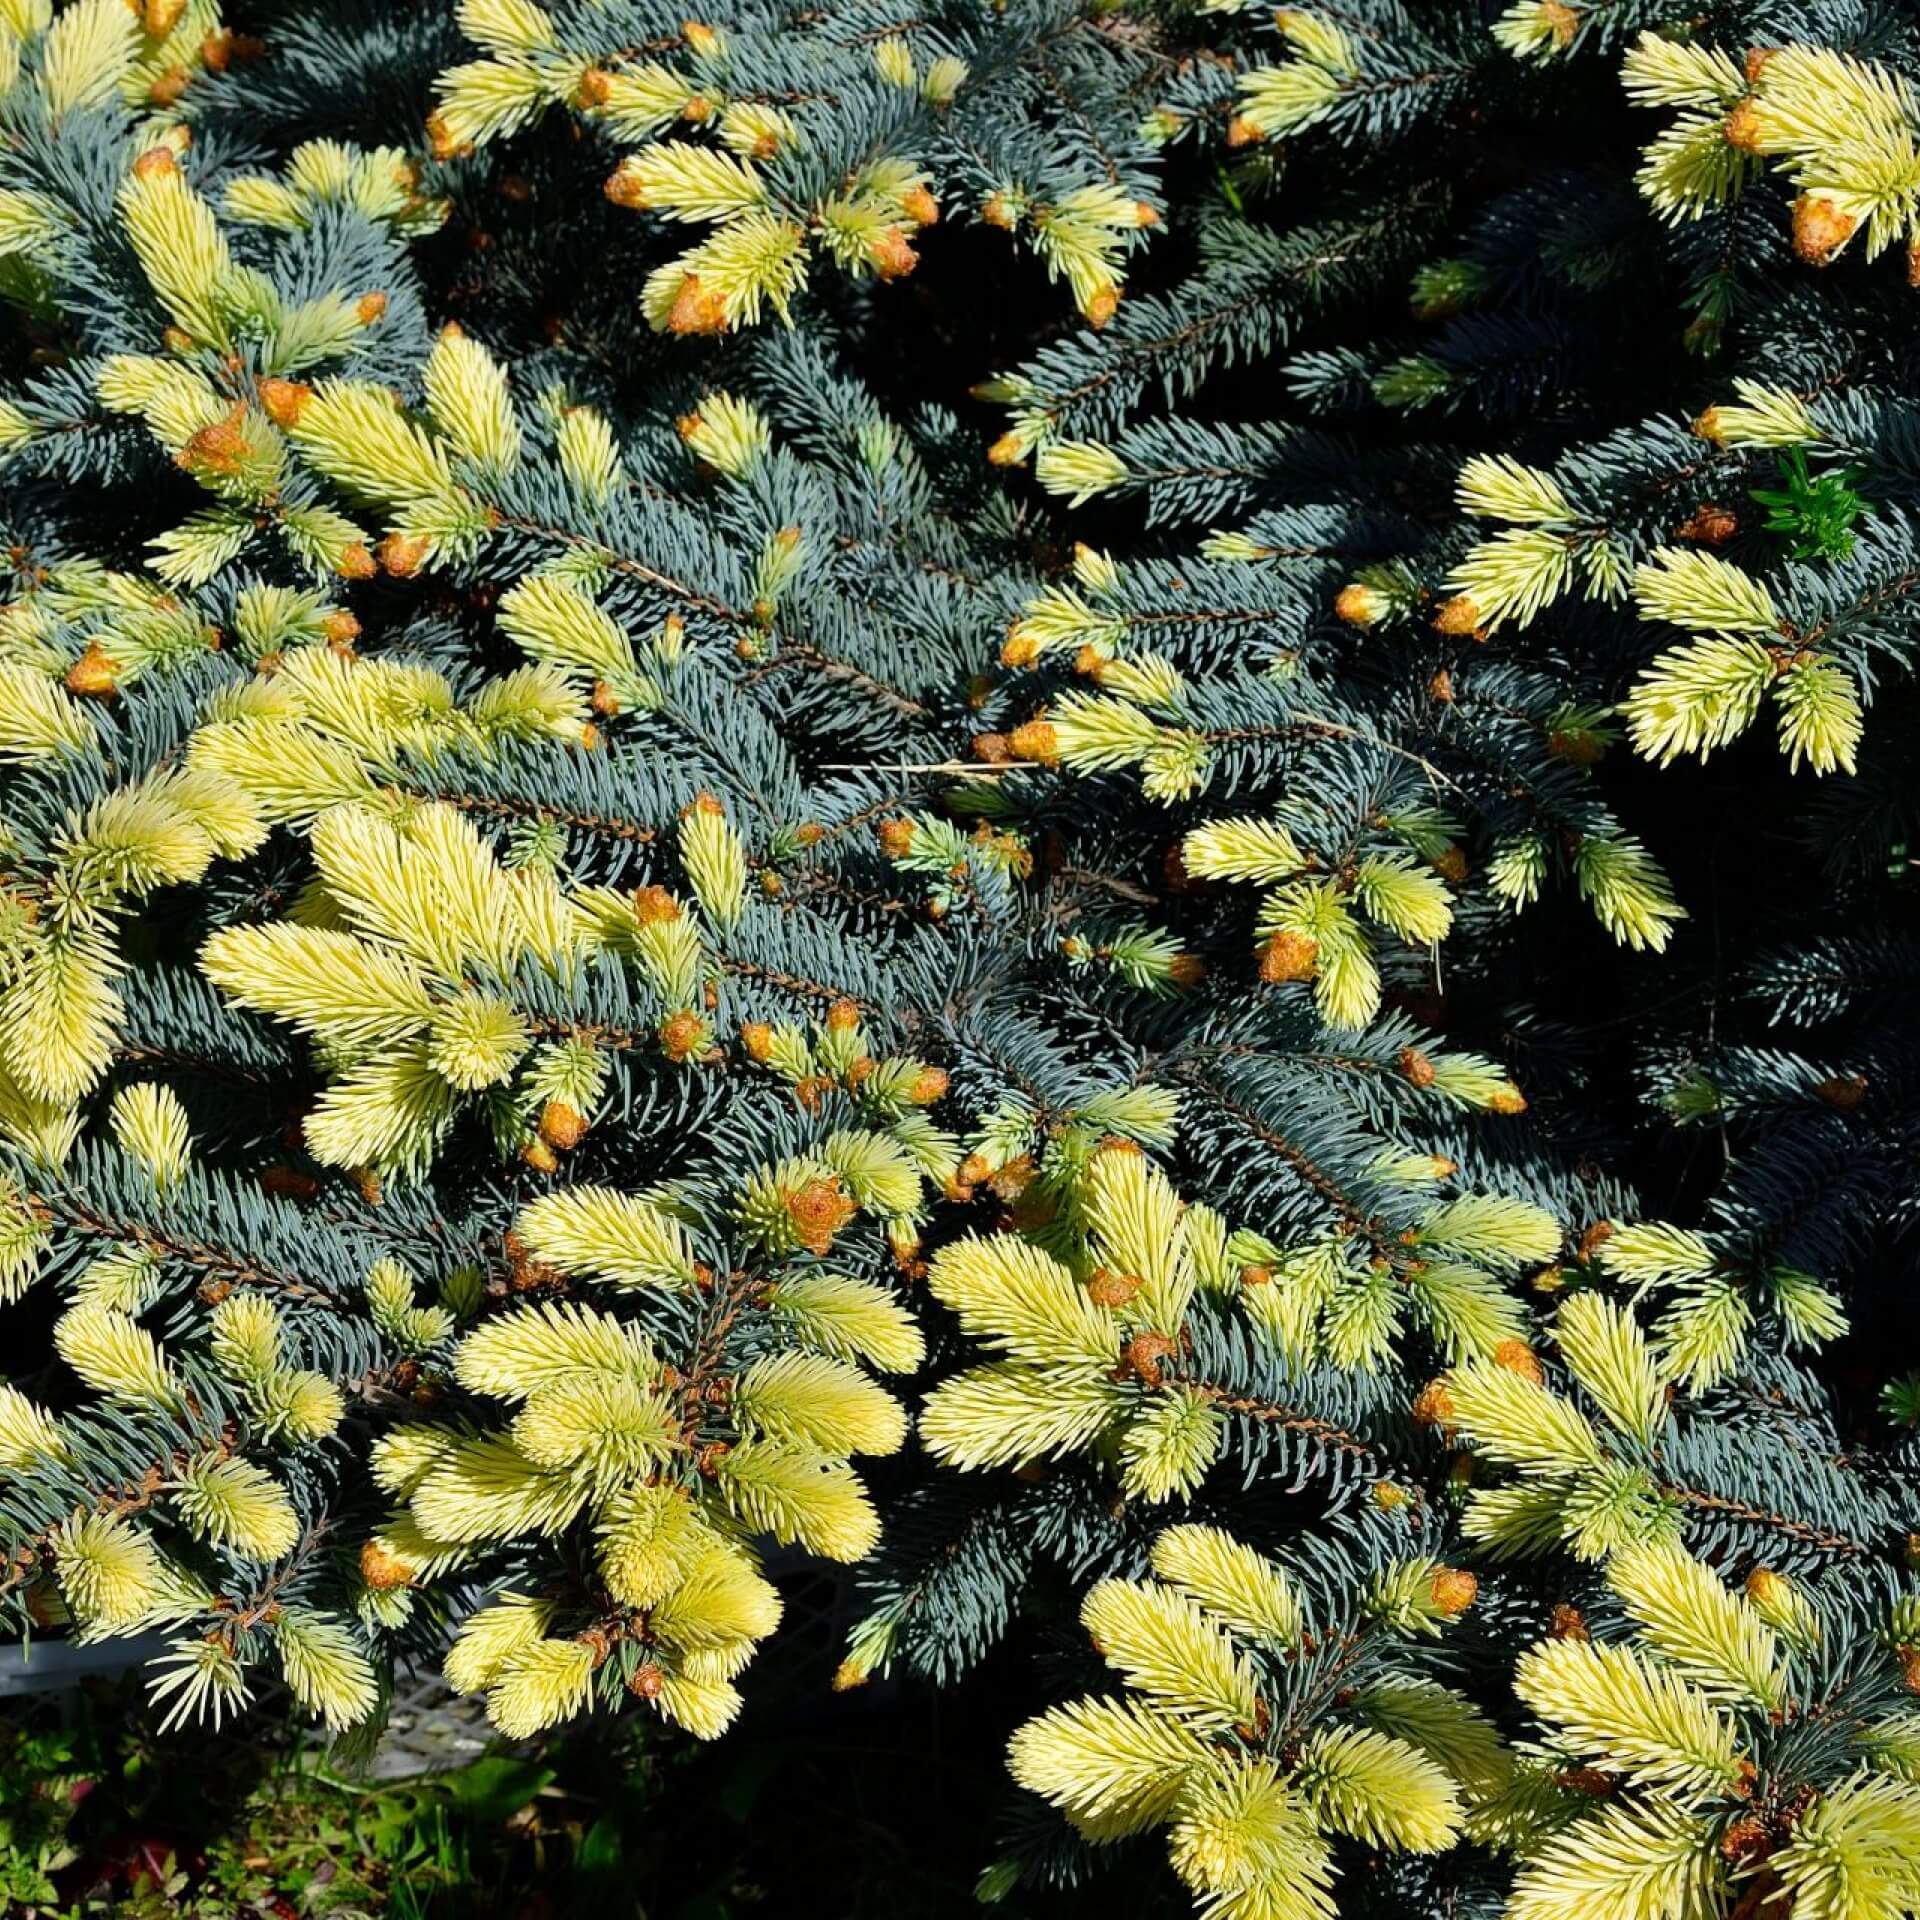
(1199, 1741)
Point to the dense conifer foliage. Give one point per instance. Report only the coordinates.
(1104, 807)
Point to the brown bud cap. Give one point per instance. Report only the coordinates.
(818, 1210)
(1507, 1099)
(627, 189)
(1035, 740)
(1453, 1591)
(654, 906)
(1289, 956)
(1568, 1623)
(1105, 1288)
(1256, 1276)
(155, 164)
(998, 212)
(972, 1170)
(1019, 650)
(160, 17)
(843, 1016)
(1591, 1781)
(1844, 1092)
(929, 1084)
(1433, 1405)
(1186, 970)
(1387, 1496)
(696, 309)
(1765, 1588)
(1741, 128)
(562, 1126)
(1747, 1840)
(1145, 215)
(355, 562)
(1707, 426)
(892, 257)
(604, 701)
(848, 1675)
(1358, 606)
(1756, 63)
(682, 1035)
(288, 1183)
(441, 142)
(1010, 450)
(756, 1039)
(1515, 1356)
(1241, 132)
(383, 1570)
(1452, 864)
(1417, 1067)
(920, 206)
(647, 1682)
(369, 307)
(1560, 20)
(1909, 1658)
(1011, 1179)
(216, 449)
(895, 837)
(1144, 1354)
(93, 675)
(1820, 229)
(1440, 687)
(340, 629)
(595, 88)
(404, 554)
(540, 1157)
(1102, 307)
(1458, 616)
(167, 89)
